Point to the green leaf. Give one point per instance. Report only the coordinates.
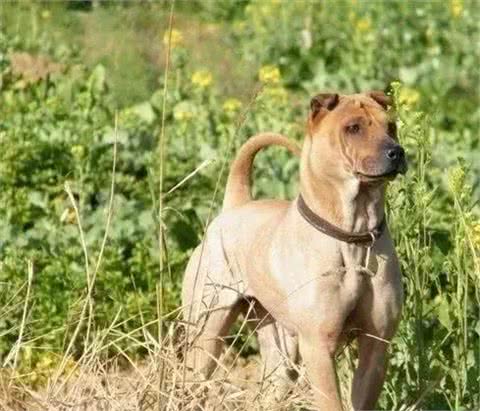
(444, 315)
(96, 81)
(144, 111)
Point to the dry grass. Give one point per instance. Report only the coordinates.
(121, 383)
(98, 381)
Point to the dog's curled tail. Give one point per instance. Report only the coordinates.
(237, 191)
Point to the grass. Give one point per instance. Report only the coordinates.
(136, 62)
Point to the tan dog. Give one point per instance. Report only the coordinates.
(303, 262)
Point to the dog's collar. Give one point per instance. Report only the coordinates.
(365, 238)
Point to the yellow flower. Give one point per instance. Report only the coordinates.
(408, 96)
(456, 7)
(269, 74)
(175, 40)
(183, 111)
(45, 14)
(202, 78)
(363, 25)
(231, 106)
(78, 151)
(181, 115)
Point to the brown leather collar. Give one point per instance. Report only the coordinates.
(364, 238)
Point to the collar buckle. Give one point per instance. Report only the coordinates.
(374, 234)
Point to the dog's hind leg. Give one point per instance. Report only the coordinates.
(279, 351)
(210, 306)
(206, 338)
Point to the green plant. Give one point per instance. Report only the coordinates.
(58, 131)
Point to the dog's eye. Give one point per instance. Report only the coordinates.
(392, 129)
(353, 128)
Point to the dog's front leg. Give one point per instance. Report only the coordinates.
(318, 357)
(370, 373)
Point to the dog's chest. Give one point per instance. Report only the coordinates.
(315, 286)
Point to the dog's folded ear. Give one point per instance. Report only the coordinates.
(381, 98)
(323, 101)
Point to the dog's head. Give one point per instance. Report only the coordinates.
(355, 136)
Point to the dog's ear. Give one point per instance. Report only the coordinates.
(323, 101)
(381, 98)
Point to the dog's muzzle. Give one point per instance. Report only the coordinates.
(395, 155)
(390, 162)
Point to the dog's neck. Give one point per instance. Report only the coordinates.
(349, 204)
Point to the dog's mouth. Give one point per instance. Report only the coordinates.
(389, 175)
(374, 177)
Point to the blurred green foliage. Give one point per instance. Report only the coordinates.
(58, 126)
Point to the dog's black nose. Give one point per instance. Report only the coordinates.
(395, 153)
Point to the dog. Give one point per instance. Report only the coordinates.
(319, 269)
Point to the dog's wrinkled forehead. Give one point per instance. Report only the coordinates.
(360, 104)
(331, 109)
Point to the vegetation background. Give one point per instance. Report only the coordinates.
(82, 84)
